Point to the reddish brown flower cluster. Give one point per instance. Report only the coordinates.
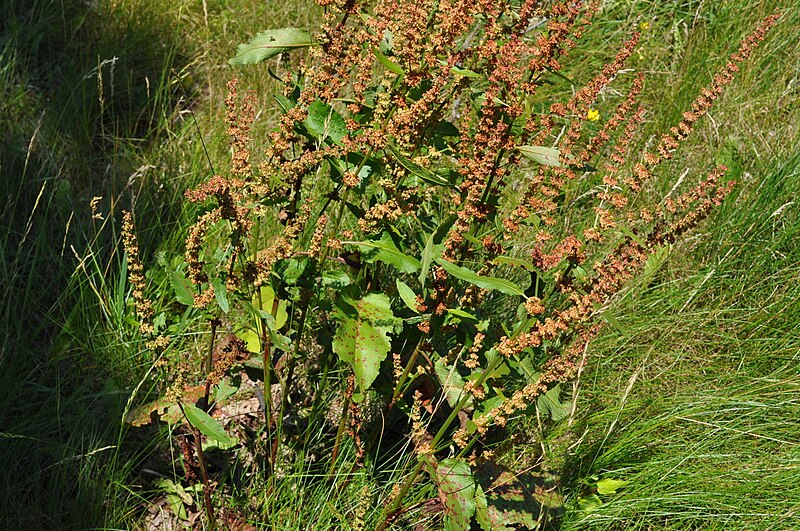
(677, 134)
(144, 307)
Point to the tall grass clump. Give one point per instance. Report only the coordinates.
(400, 279)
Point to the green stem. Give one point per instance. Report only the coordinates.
(209, 363)
(339, 435)
(201, 462)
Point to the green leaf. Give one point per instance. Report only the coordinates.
(407, 295)
(457, 490)
(266, 303)
(415, 169)
(461, 315)
(221, 294)
(543, 155)
(324, 122)
(270, 43)
(225, 390)
(451, 381)
(610, 486)
(362, 339)
(390, 65)
(251, 339)
(207, 425)
(490, 283)
(461, 71)
(629, 233)
(285, 103)
(516, 262)
(589, 503)
(384, 250)
(184, 291)
(515, 499)
(433, 247)
(335, 279)
(550, 403)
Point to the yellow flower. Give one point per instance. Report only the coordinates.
(593, 115)
(644, 26)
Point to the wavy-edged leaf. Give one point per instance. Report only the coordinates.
(362, 339)
(433, 247)
(457, 490)
(550, 403)
(221, 294)
(516, 262)
(390, 65)
(452, 383)
(490, 283)
(610, 486)
(270, 43)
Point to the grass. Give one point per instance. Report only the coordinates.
(694, 406)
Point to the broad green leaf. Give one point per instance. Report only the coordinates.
(514, 500)
(362, 339)
(324, 122)
(451, 381)
(589, 503)
(550, 403)
(629, 233)
(610, 486)
(543, 155)
(285, 103)
(266, 303)
(384, 250)
(457, 490)
(184, 292)
(270, 43)
(225, 390)
(654, 263)
(221, 294)
(490, 283)
(207, 425)
(251, 339)
(407, 295)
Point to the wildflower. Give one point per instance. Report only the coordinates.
(593, 115)
(644, 26)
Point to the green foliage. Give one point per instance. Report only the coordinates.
(362, 338)
(319, 323)
(270, 43)
(402, 234)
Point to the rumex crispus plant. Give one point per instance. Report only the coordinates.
(418, 257)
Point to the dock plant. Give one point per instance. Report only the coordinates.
(413, 263)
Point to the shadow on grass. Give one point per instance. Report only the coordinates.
(84, 87)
